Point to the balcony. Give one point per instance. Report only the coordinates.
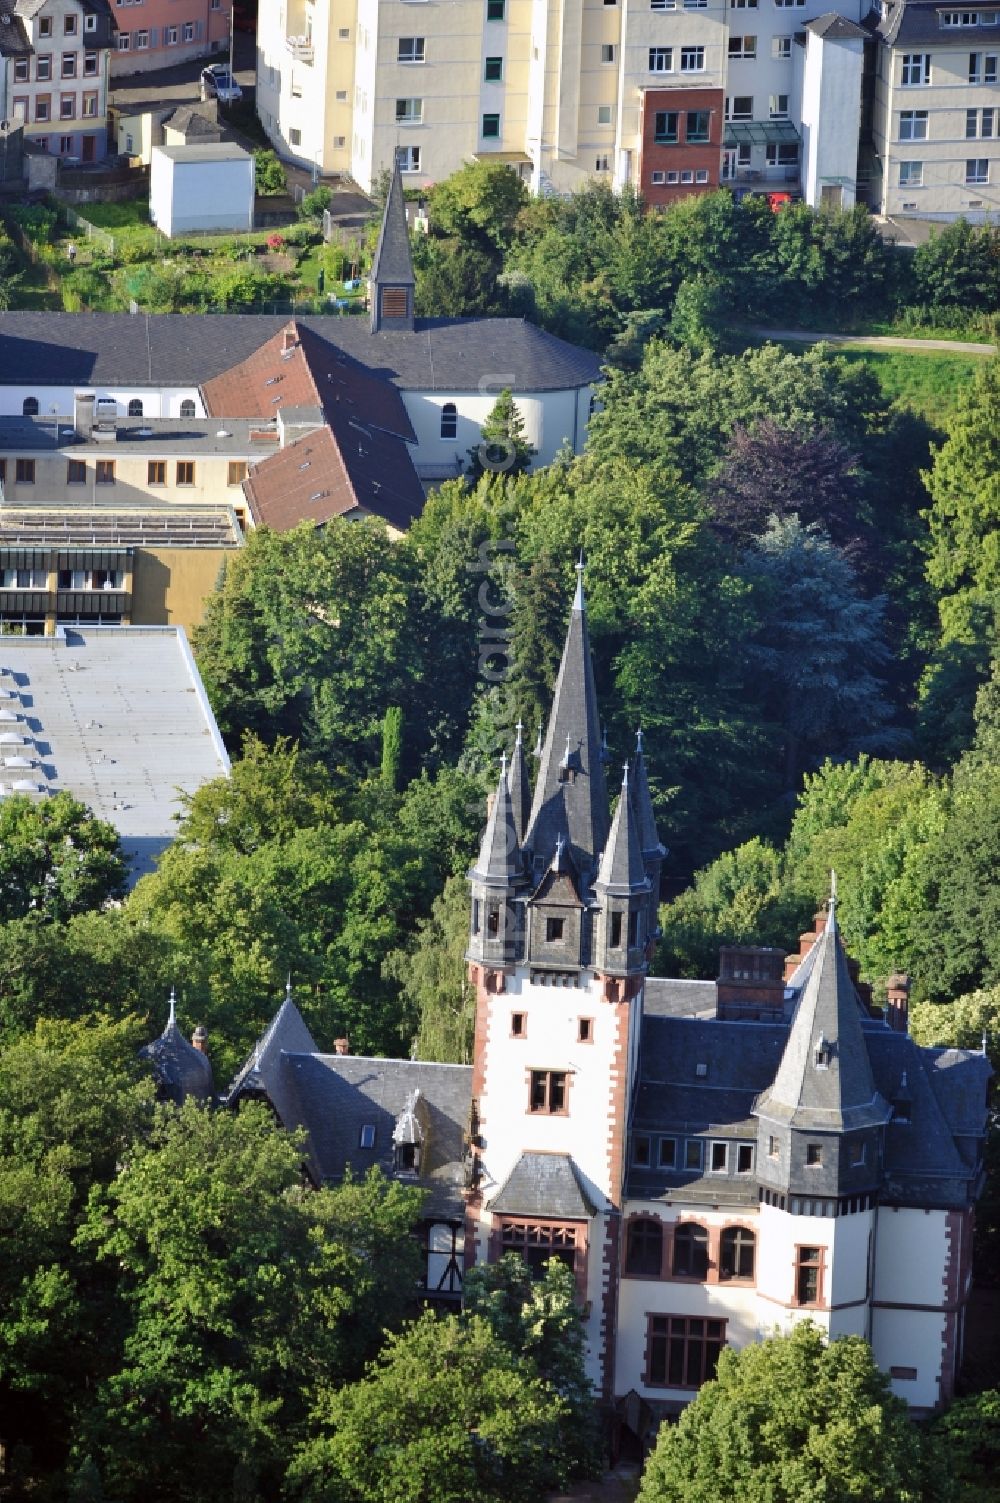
(301, 48)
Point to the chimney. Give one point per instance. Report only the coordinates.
(289, 339)
(199, 1039)
(897, 1001)
(83, 413)
(751, 982)
(341, 1046)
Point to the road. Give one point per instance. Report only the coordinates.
(180, 84)
(878, 341)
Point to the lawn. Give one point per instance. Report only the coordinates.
(928, 383)
(122, 216)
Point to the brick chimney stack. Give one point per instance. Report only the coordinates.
(341, 1046)
(199, 1039)
(897, 1002)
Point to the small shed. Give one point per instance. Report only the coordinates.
(205, 187)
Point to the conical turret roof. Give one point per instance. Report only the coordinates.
(499, 863)
(824, 1081)
(622, 871)
(179, 1069)
(645, 819)
(520, 786)
(571, 796)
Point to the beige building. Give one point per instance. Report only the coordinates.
(937, 103)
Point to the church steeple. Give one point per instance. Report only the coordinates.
(392, 283)
(822, 1110)
(571, 798)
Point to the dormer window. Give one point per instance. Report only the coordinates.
(493, 920)
(366, 1137)
(616, 931)
(821, 1054)
(407, 1158)
(554, 930)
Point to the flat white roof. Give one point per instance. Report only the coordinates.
(117, 716)
(208, 151)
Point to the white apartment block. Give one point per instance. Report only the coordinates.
(937, 115)
(675, 96)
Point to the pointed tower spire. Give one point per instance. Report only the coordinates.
(642, 799)
(520, 785)
(622, 871)
(172, 1015)
(392, 281)
(499, 863)
(570, 793)
(824, 1082)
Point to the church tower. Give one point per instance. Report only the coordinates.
(562, 913)
(392, 282)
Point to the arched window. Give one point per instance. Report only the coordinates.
(644, 1250)
(135, 407)
(30, 407)
(736, 1256)
(187, 407)
(690, 1251)
(449, 420)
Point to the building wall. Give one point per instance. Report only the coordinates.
(673, 171)
(831, 112)
(163, 33)
(942, 191)
(39, 102)
(170, 585)
(157, 402)
(201, 195)
(551, 419)
(131, 479)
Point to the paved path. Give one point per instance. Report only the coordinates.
(879, 341)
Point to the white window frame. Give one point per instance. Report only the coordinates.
(781, 49)
(977, 171)
(695, 59)
(915, 70)
(911, 174)
(913, 119)
(743, 47)
(418, 50)
(661, 60)
(412, 113)
(408, 158)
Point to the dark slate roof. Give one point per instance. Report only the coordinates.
(575, 808)
(668, 996)
(179, 1069)
(189, 120)
(543, 1184)
(176, 349)
(836, 28)
(840, 1095)
(14, 39)
(335, 1095)
(499, 860)
(912, 23)
(392, 264)
(642, 801)
(622, 871)
(262, 1073)
(519, 782)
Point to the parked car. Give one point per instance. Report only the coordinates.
(218, 83)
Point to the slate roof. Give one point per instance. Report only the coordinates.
(499, 863)
(642, 801)
(917, 23)
(392, 264)
(839, 1095)
(929, 1160)
(179, 1069)
(836, 28)
(622, 871)
(574, 807)
(189, 120)
(543, 1185)
(14, 39)
(519, 782)
(174, 349)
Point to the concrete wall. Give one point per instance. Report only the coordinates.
(157, 402)
(551, 419)
(831, 112)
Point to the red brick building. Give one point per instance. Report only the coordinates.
(681, 149)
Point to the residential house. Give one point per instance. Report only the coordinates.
(54, 65)
(161, 33)
(937, 111)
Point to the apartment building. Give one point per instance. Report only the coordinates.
(673, 95)
(937, 102)
(159, 33)
(54, 63)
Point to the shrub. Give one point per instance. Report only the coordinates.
(314, 203)
(269, 175)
